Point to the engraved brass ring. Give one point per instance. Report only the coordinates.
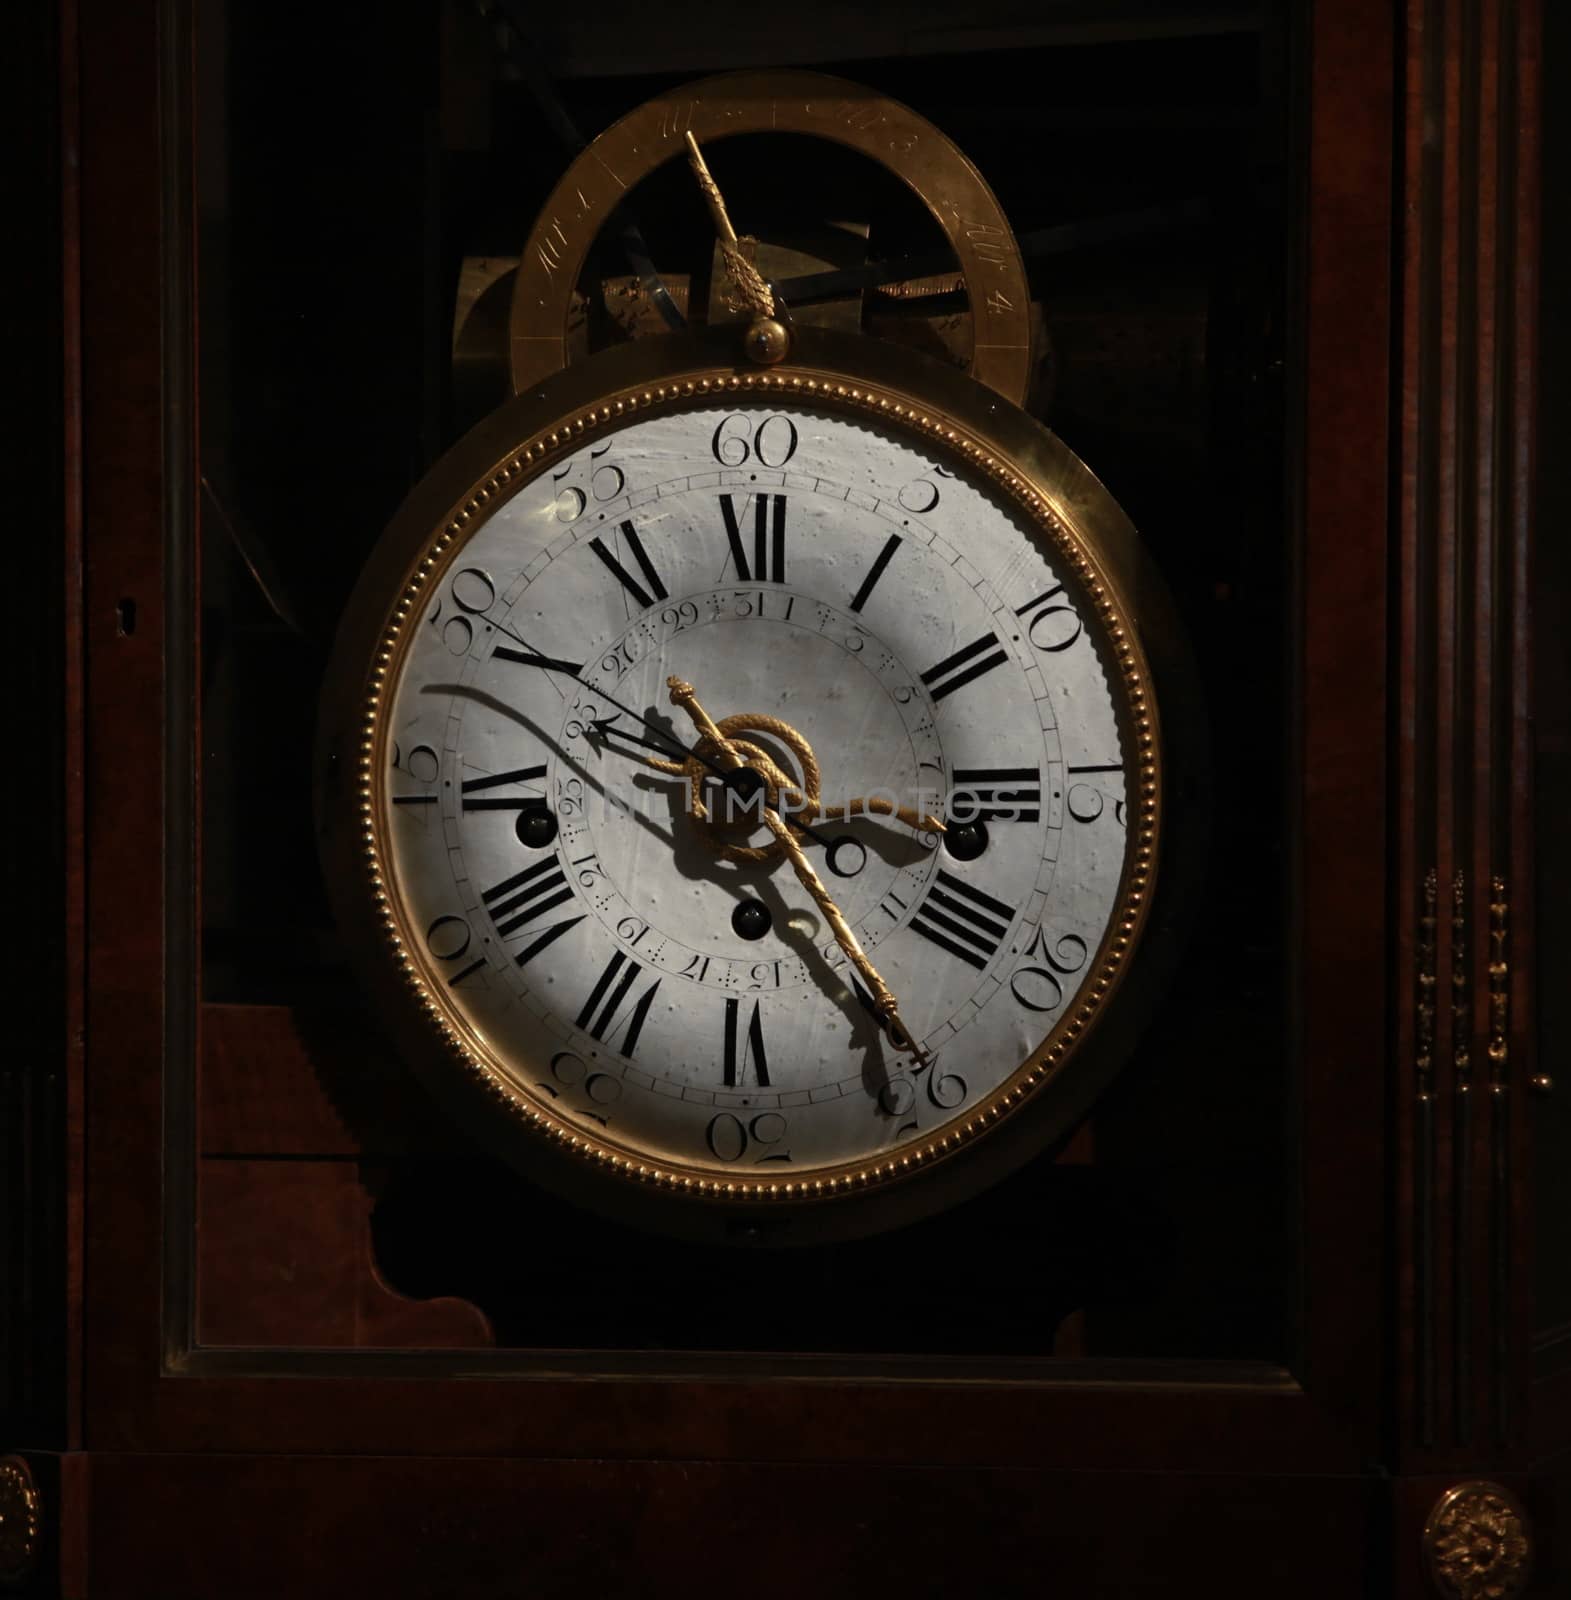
(808, 103)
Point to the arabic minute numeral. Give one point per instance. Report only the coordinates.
(731, 1139)
(946, 1091)
(421, 764)
(736, 441)
(572, 1073)
(605, 483)
(1086, 802)
(1038, 988)
(919, 497)
(1052, 623)
(472, 592)
(448, 939)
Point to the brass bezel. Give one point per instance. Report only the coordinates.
(877, 383)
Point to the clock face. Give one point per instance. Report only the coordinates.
(607, 924)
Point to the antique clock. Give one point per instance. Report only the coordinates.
(667, 1017)
(748, 755)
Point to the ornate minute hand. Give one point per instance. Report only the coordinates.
(606, 731)
(888, 1011)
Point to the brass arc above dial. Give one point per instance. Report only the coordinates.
(806, 103)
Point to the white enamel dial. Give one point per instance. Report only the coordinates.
(914, 631)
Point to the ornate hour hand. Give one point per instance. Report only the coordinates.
(530, 657)
(783, 793)
(887, 1009)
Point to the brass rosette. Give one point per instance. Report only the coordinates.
(1478, 1543)
(810, 104)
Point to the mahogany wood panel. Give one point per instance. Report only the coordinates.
(284, 1258)
(1340, 740)
(40, 1084)
(292, 1081)
(148, 1387)
(1462, 818)
(123, 422)
(1105, 1478)
(248, 1526)
(74, 873)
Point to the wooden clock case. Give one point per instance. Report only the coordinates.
(272, 1327)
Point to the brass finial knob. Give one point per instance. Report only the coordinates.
(767, 341)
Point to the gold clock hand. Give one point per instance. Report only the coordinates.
(802, 808)
(888, 1010)
(749, 281)
(877, 806)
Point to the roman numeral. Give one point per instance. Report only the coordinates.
(527, 895)
(876, 571)
(533, 658)
(473, 799)
(768, 563)
(963, 920)
(644, 597)
(752, 1048)
(600, 1015)
(996, 794)
(892, 906)
(965, 666)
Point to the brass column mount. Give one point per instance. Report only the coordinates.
(1461, 988)
(1499, 981)
(21, 1521)
(1478, 1544)
(1424, 1008)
